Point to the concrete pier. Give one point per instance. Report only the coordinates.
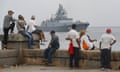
(88, 59)
(20, 55)
(34, 68)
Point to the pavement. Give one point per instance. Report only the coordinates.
(32, 68)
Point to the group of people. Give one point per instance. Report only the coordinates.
(26, 30)
(80, 41)
(22, 27)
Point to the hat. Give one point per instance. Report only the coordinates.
(108, 30)
(10, 11)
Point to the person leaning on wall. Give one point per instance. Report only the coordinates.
(73, 37)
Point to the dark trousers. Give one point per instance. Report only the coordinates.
(48, 54)
(37, 31)
(105, 58)
(6, 31)
(74, 58)
(29, 36)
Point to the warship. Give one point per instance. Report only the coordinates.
(61, 23)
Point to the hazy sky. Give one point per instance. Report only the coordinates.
(96, 12)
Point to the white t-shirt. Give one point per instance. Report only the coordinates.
(73, 34)
(106, 40)
(85, 38)
(32, 25)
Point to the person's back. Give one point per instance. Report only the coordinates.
(106, 39)
(106, 42)
(7, 21)
(73, 35)
(32, 24)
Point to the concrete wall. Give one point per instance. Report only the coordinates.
(8, 57)
(21, 55)
(88, 59)
(16, 41)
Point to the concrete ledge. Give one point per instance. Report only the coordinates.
(19, 37)
(8, 57)
(90, 55)
(88, 59)
(8, 53)
(16, 41)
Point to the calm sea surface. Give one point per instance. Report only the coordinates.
(94, 32)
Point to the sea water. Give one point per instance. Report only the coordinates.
(94, 32)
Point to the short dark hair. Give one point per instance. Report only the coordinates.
(10, 11)
(73, 26)
(52, 32)
(20, 17)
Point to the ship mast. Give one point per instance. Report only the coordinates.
(61, 13)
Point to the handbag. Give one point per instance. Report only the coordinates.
(71, 48)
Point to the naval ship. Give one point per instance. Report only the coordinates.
(61, 23)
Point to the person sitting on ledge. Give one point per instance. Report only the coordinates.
(52, 47)
(34, 28)
(86, 42)
(22, 30)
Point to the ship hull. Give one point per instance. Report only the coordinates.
(64, 28)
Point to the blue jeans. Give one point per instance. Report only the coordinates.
(74, 57)
(48, 54)
(105, 58)
(29, 36)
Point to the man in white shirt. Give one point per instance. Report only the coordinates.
(74, 37)
(33, 28)
(106, 42)
(32, 24)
